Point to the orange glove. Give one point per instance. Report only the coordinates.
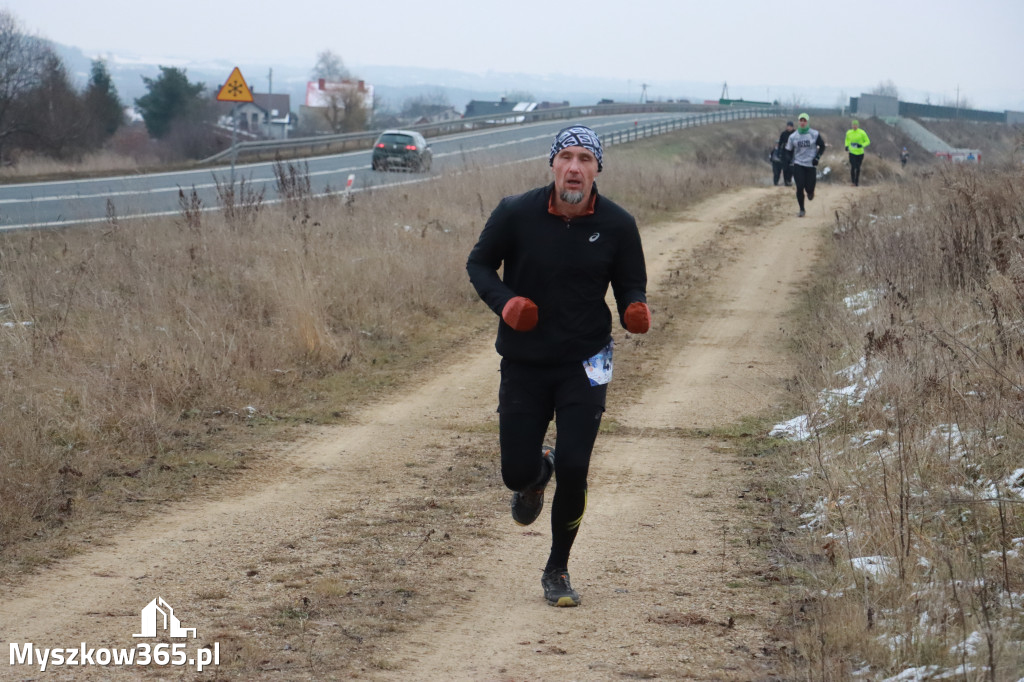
(637, 317)
(520, 313)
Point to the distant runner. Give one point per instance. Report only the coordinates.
(787, 156)
(856, 141)
(775, 157)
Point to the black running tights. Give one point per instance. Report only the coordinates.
(805, 177)
(855, 161)
(522, 436)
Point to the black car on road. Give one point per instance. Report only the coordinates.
(401, 149)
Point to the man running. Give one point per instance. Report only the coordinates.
(807, 146)
(856, 141)
(561, 245)
(787, 156)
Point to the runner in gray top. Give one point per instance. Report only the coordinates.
(807, 146)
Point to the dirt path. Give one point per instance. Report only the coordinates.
(670, 587)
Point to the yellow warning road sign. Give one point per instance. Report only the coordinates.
(235, 89)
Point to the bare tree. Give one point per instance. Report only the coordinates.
(329, 66)
(355, 110)
(345, 111)
(426, 104)
(333, 113)
(957, 102)
(886, 89)
(384, 115)
(795, 102)
(23, 64)
(520, 96)
(842, 101)
(56, 123)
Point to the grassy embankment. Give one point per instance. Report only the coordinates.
(904, 525)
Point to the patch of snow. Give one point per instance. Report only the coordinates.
(876, 566)
(861, 302)
(797, 428)
(919, 674)
(969, 646)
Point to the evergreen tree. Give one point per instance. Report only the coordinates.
(103, 107)
(171, 98)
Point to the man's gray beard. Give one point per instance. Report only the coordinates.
(571, 197)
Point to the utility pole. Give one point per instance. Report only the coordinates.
(234, 141)
(270, 100)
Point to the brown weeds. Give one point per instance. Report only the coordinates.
(912, 490)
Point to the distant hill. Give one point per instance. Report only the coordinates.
(395, 84)
(392, 84)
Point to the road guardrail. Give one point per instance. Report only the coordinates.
(328, 144)
(639, 131)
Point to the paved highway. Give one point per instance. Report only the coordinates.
(65, 203)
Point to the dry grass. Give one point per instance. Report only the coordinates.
(34, 168)
(905, 517)
(141, 361)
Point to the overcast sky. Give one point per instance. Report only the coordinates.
(936, 47)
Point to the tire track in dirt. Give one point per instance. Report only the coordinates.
(659, 547)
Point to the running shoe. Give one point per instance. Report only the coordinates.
(800, 214)
(557, 589)
(526, 505)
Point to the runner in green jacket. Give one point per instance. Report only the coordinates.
(856, 141)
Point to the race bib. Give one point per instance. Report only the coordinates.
(599, 367)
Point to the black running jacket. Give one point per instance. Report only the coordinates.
(565, 267)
